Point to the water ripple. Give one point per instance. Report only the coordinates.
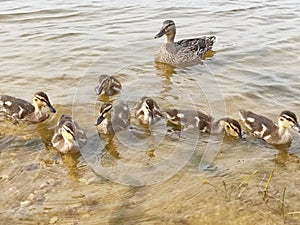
(61, 47)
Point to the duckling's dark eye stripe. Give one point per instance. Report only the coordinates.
(41, 99)
(106, 109)
(104, 81)
(69, 130)
(235, 128)
(288, 118)
(170, 24)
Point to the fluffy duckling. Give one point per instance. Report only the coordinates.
(68, 135)
(20, 110)
(205, 123)
(112, 118)
(267, 130)
(108, 85)
(147, 111)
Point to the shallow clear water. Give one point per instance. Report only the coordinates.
(61, 47)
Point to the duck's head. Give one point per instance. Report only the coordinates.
(147, 110)
(63, 119)
(40, 100)
(172, 116)
(288, 119)
(232, 127)
(68, 131)
(168, 29)
(104, 110)
(108, 85)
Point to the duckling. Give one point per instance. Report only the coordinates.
(20, 110)
(183, 52)
(147, 111)
(108, 85)
(68, 135)
(108, 122)
(205, 123)
(267, 130)
(230, 127)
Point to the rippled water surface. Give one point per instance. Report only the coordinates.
(61, 47)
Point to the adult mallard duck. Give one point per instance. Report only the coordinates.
(181, 53)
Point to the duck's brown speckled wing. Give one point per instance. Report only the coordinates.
(197, 45)
(259, 125)
(15, 107)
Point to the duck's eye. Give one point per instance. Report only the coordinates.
(69, 131)
(35, 100)
(281, 119)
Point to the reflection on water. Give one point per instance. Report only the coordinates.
(165, 70)
(62, 48)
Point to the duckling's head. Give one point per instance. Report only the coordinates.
(288, 119)
(172, 116)
(168, 29)
(68, 133)
(108, 85)
(147, 110)
(40, 100)
(63, 119)
(231, 127)
(104, 110)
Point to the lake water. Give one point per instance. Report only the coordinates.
(61, 47)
